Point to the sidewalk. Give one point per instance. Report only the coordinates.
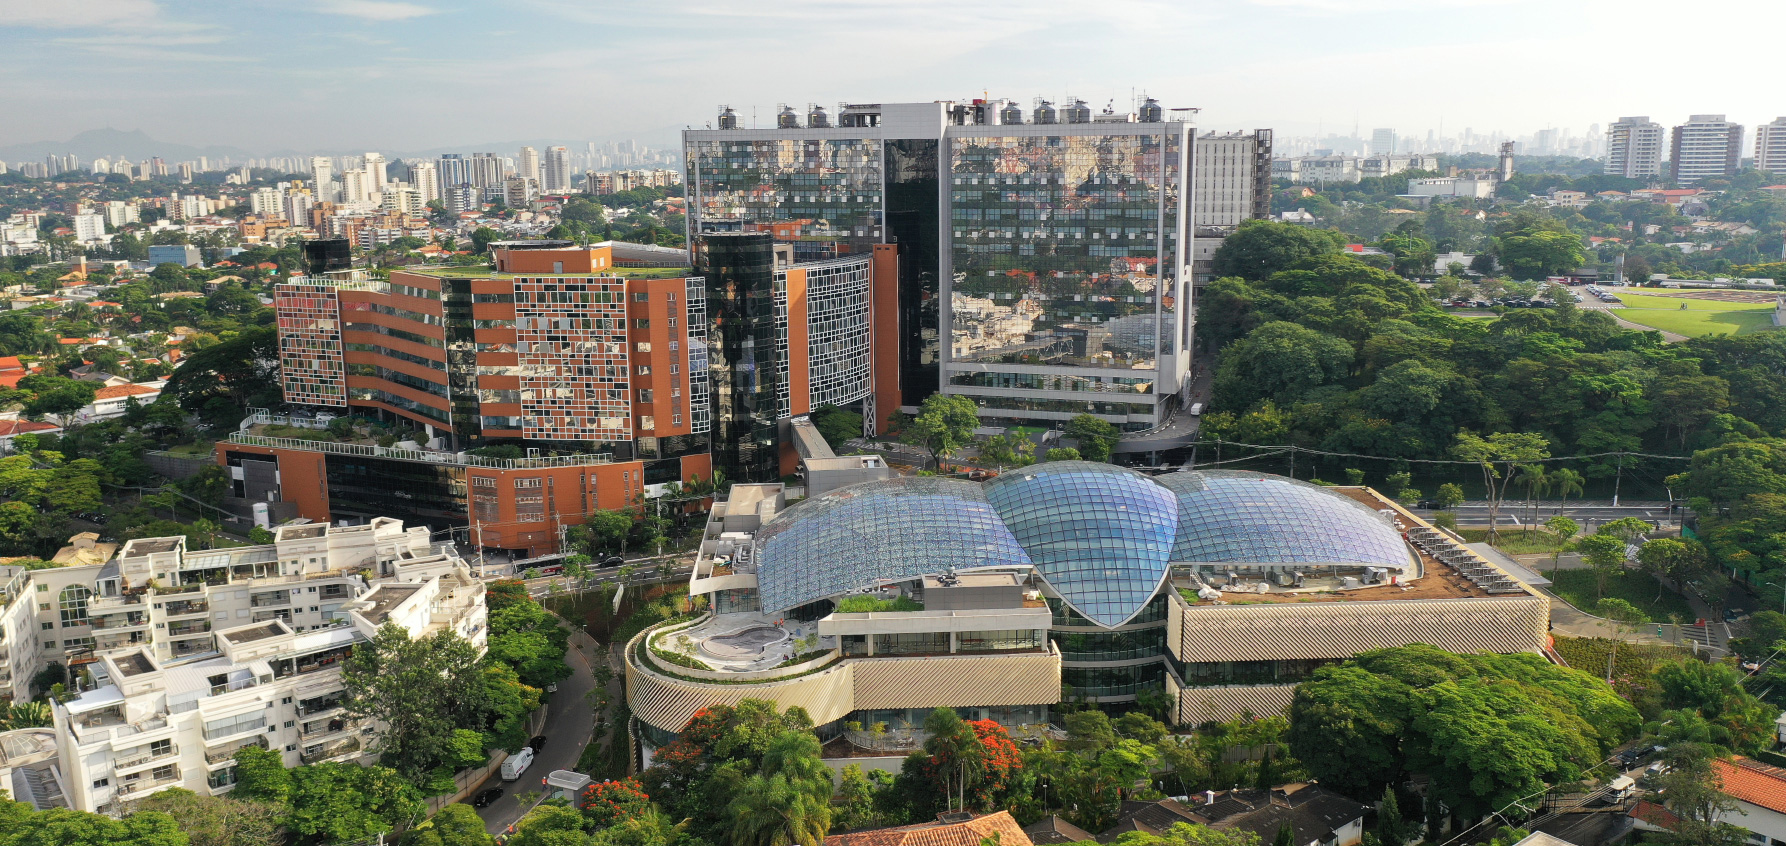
(1569, 621)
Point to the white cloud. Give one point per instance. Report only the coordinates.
(85, 13)
(375, 10)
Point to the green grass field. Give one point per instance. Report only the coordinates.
(1674, 303)
(1696, 322)
(1576, 587)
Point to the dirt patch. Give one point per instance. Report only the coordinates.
(1716, 296)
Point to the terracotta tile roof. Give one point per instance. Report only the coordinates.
(116, 391)
(69, 342)
(1654, 814)
(968, 833)
(11, 362)
(1753, 782)
(8, 428)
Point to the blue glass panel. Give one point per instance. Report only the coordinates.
(1101, 535)
(895, 529)
(1230, 516)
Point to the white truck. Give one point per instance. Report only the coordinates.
(516, 764)
(1196, 409)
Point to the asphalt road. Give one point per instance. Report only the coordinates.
(1512, 513)
(569, 724)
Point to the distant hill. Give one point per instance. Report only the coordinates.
(111, 143)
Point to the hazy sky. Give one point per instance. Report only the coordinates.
(418, 74)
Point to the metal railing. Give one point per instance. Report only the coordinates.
(331, 750)
(145, 757)
(262, 600)
(218, 756)
(184, 607)
(141, 784)
(453, 459)
(110, 622)
(307, 709)
(238, 728)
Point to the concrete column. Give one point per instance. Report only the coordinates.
(954, 643)
(871, 645)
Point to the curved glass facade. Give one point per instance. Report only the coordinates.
(1101, 535)
(1233, 517)
(895, 529)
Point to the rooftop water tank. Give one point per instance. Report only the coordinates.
(788, 119)
(1076, 112)
(1044, 112)
(817, 119)
(1010, 115)
(1151, 111)
(728, 119)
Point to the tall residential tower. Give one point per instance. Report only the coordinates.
(1634, 148)
(1706, 147)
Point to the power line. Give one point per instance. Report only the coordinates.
(1282, 448)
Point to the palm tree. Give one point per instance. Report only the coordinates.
(788, 801)
(1536, 481)
(1564, 482)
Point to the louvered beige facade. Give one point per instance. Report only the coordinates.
(1198, 705)
(1333, 630)
(1294, 631)
(939, 681)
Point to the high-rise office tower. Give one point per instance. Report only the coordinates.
(1382, 141)
(1041, 255)
(557, 178)
(424, 177)
(1770, 146)
(1705, 147)
(376, 180)
(1634, 148)
(527, 165)
(1233, 178)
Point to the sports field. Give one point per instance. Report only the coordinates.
(1700, 317)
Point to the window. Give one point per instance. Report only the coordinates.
(49, 627)
(644, 370)
(641, 323)
(645, 395)
(642, 296)
(74, 605)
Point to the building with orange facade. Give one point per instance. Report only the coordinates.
(556, 381)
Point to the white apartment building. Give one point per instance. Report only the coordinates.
(1232, 178)
(1451, 186)
(425, 178)
(527, 165)
(177, 658)
(89, 226)
(118, 213)
(1706, 147)
(1770, 146)
(556, 176)
(1634, 148)
(267, 201)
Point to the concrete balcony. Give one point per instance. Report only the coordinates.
(147, 757)
(138, 787)
(228, 753)
(333, 749)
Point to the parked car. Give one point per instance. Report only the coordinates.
(1427, 503)
(483, 798)
(613, 561)
(536, 743)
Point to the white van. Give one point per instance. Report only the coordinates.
(516, 764)
(1196, 409)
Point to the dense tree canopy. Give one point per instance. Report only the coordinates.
(1486, 729)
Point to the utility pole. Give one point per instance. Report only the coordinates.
(1617, 479)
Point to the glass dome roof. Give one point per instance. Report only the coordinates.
(1101, 535)
(1234, 517)
(896, 529)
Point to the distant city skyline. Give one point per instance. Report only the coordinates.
(373, 74)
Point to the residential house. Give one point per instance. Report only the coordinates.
(948, 830)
